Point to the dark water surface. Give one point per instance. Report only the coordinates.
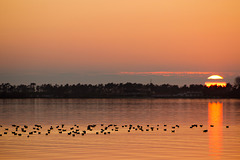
(184, 143)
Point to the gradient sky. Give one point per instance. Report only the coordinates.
(101, 41)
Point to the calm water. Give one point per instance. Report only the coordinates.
(185, 143)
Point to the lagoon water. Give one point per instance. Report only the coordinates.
(185, 143)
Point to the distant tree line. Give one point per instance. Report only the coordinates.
(120, 90)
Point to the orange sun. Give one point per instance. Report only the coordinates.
(215, 77)
(217, 81)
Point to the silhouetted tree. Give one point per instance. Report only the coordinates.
(237, 82)
(112, 90)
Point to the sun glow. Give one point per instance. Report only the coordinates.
(215, 77)
(208, 84)
(217, 81)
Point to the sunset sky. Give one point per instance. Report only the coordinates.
(101, 41)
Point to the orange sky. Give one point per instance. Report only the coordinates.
(73, 36)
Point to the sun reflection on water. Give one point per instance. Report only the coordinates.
(215, 117)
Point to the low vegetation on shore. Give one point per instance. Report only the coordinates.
(113, 90)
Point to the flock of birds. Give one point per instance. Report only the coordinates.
(37, 129)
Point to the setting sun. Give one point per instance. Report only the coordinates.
(215, 77)
(217, 81)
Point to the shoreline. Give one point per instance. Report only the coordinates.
(120, 98)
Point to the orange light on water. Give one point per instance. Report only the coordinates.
(215, 117)
(209, 84)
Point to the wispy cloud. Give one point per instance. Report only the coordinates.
(166, 73)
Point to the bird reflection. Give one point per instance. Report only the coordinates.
(215, 118)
